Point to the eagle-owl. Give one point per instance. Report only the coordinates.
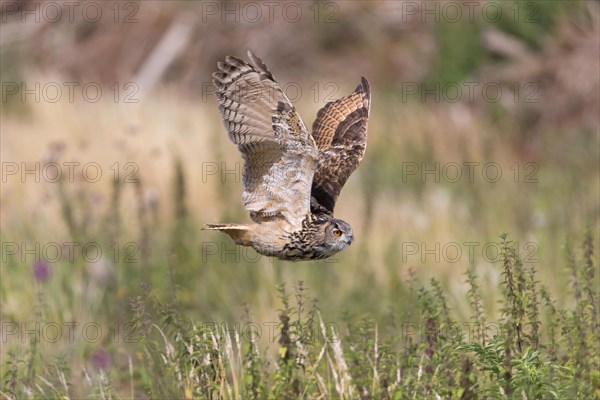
(291, 178)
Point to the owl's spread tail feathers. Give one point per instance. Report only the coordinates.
(238, 232)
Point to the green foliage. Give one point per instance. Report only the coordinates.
(532, 19)
(461, 51)
(531, 354)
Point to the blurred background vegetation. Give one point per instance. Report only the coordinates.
(158, 140)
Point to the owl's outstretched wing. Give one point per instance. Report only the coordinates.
(280, 155)
(340, 132)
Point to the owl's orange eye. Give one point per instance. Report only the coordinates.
(337, 233)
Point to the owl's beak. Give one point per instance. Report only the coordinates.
(350, 239)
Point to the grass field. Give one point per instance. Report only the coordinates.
(473, 273)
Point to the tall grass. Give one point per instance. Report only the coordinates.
(535, 350)
(532, 345)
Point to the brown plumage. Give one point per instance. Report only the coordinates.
(340, 131)
(291, 178)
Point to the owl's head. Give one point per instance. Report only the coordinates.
(332, 236)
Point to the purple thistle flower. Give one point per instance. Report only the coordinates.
(41, 271)
(101, 359)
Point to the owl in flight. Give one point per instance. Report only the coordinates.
(292, 177)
